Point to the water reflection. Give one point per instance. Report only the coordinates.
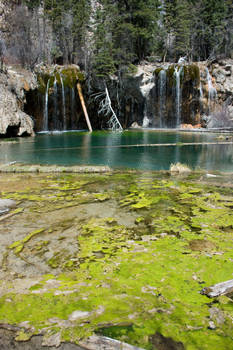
(122, 150)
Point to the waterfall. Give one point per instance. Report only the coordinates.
(45, 121)
(212, 93)
(146, 121)
(162, 96)
(201, 91)
(177, 72)
(55, 103)
(73, 126)
(63, 103)
(146, 87)
(201, 97)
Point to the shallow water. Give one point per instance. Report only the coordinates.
(123, 254)
(144, 150)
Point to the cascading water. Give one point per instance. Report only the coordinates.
(146, 120)
(212, 93)
(145, 90)
(73, 109)
(162, 96)
(177, 74)
(63, 103)
(201, 96)
(45, 121)
(55, 103)
(201, 91)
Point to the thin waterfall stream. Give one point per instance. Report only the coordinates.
(45, 122)
(63, 103)
(177, 73)
(162, 96)
(55, 97)
(171, 96)
(212, 93)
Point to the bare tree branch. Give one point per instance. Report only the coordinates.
(105, 107)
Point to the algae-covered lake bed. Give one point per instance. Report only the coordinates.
(120, 254)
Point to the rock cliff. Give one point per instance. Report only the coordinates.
(176, 94)
(13, 121)
(157, 95)
(152, 94)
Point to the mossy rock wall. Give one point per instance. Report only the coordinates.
(190, 106)
(63, 101)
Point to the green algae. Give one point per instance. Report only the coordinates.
(19, 245)
(135, 281)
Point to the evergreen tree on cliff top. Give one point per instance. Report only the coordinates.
(125, 32)
(112, 34)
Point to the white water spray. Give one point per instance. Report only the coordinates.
(55, 102)
(63, 103)
(212, 93)
(177, 73)
(73, 108)
(201, 91)
(162, 96)
(45, 121)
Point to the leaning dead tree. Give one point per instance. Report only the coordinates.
(79, 88)
(105, 108)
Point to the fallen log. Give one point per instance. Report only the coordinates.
(96, 342)
(218, 289)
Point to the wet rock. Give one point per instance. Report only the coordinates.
(135, 126)
(6, 204)
(179, 168)
(162, 343)
(217, 315)
(96, 342)
(8, 342)
(78, 314)
(201, 245)
(212, 325)
(53, 340)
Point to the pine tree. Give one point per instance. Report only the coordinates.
(104, 24)
(177, 23)
(182, 29)
(211, 25)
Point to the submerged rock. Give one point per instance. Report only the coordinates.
(106, 274)
(5, 204)
(179, 168)
(135, 126)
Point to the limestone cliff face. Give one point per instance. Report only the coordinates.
(13, 121)
(157, 95)
(174, 94)
(223, 76)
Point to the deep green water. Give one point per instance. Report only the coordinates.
(105, 148)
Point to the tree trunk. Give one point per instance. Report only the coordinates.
(79, 88)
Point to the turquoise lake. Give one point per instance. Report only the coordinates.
(143, 150)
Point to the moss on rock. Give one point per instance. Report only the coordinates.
(130, 274)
